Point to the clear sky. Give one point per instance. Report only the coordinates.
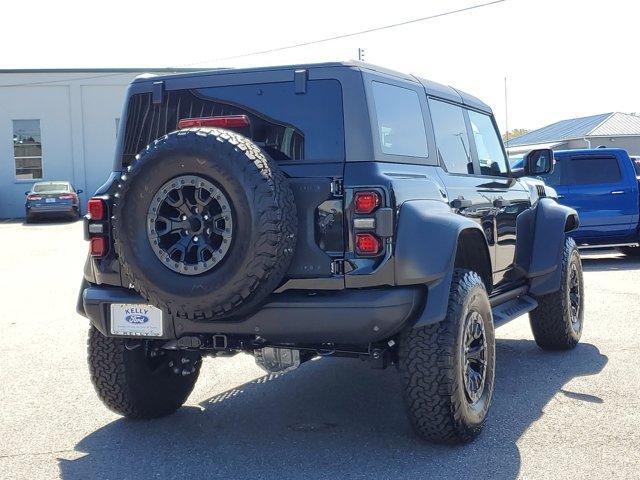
(562, 58)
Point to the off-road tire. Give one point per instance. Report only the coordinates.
(551, 322)
(125, 384)
(264, 229)
(430, 364)
(631, 251)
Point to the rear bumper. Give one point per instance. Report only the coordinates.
(51, 209)
(355, 317)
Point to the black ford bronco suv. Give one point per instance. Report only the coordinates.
(332, 209)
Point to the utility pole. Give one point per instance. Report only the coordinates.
(506, 110)
(361, 54)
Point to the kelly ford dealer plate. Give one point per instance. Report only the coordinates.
(136, 320)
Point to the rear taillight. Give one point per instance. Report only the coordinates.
(96, 209)
(96, 227)
(34, 197)
(367, 244)
(98, 246)
(366, 202)
(68, 196)
(370, 224)
(227, 121)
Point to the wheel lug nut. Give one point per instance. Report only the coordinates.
(184, 217)
(195, 239)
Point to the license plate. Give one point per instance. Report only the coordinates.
(136, 320)
(50, 200)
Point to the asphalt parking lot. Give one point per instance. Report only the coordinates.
(569, 415)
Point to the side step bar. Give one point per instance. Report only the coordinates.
(513, 308)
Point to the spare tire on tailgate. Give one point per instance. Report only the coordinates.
(204, 224)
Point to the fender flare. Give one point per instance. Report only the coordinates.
(541, 233)
(426, 244)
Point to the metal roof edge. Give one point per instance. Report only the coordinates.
(611, 114)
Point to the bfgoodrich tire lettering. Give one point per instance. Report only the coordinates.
(264, 224)
(558, 320)
(432, 366)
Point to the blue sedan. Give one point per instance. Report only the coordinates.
(52, 198)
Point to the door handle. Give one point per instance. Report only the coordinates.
(501, 202)
(460, 202)
(618, 192)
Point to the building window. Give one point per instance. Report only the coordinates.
(27, 149)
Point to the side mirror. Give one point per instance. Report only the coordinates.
(538, 162)
(79, 191)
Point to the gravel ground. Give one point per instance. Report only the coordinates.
(569, 415)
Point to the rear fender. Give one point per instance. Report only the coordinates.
(426, 244)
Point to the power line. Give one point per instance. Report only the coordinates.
(277, 49)
(348, 35)
(62, 80)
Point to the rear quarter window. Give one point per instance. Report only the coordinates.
(400, 124)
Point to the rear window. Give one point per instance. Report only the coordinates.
(593, 170)
(50, 187)
(400, 123)
(287, 125)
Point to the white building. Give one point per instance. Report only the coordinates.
(58, 125)
(614, 130)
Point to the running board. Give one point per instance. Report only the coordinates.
(586, 246)
(507, 311)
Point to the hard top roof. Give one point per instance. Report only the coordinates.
(432, 88)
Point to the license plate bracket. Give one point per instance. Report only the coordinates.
(136, 320)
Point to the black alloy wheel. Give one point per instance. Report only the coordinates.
(190, 224)
(575, 298)
(474, 364)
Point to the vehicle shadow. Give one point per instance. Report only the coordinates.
(603, 263)
(51, 220)
(332, 419)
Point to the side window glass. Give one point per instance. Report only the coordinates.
(490, 154)
(555, 177)
(400, 123)
(593, 170)
(451, 137)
